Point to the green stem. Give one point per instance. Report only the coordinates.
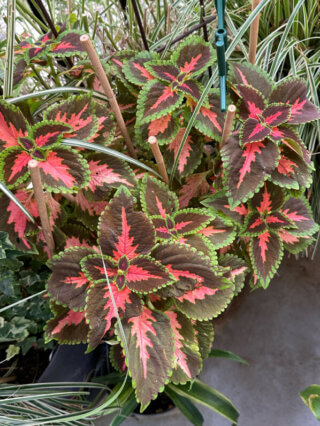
(26, 13)
(40, 79)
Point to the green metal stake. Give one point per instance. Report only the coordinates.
(221, 45)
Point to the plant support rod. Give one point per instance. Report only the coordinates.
(253, 38)
(158, 157)
(41, 204)
(228, 125)
(101, 75)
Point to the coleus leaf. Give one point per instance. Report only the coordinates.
(68, 285)
(118, 59)
(156, 199)
(78, 112)
(293, 243)
(189, 88)
(219, 204)
(268, 199)
(156, 99)
(63, 170)
(135, 70)
(117, 358)
(187, 360)
(19, 71)
(292, 140)
(201, 243)
(35, 52)
(193, 56)
(164, 129)
(67, 326)
(293, 92)
(14, 166)
(238, 270)
(123, 231)
(252, 75)
(253, 131)
(86, 208)
(100, 310)
(220, 232)
(46, 134)
(292, 172)
(183, 222)
(163, 70)
(15, 222)
(195, 186)
(93, 268)
(106, 172)
(106, 125)
(12, 125)
(210, 120)
(190, 156)
(211, 293)
(266, 251)
(205, 335)
(299, 212)
(252, 102)
(151, 348)
(247, 168)
(67, 44)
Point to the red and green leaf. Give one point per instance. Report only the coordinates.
(135, 68)
(164, 129)
(100, 311)
(145, 275)
(106, 125)
(64, 170)
(107, 172)
(187, 360)
(247, 168)
(12, 125)
(93, 268)
(67, 326)
(190, 155)
(163, 70)
(156, 99)
(220, 232)
(210, 120)
(254, 131)
(266, 251)
(189, 88)
(46, 134)
(67, 44)
(123, 231)
(293, 92)
(151, 347)
(35, 52)
(293, 243)
(156, 199)
(299, 212)
(269, 199)
(206, 302)
(68, 285)
(275, 114)
(77, 112)
(205, 336)
(16, 223)
(292, 171)
(193, 56)
(238, 270)
(252, 102)
(219, 204)
(118, 59)
(252, 75)
(14, 166)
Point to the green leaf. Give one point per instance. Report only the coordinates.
(202, 394)
(220, 353)
(311, 397)
(186, 407)
(12, 350)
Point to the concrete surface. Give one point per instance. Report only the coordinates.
(277, 332)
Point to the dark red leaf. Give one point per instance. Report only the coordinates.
(299, 212)
(164, 71)
(156, 199)
(12, 125)
(254, 131)
(195, 185)
(252, 102)
(48, 133)
(252, 75)
(294, 93)
(124, 231)
(275, 115)
(270, 198)
(67, 44)
(210, 120)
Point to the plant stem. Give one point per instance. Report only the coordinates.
(185, 34)
(205, 30)
(158, 157)
(40, 79)
(138, 18)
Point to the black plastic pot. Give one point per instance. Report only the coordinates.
(70, 363)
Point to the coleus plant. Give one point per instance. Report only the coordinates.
(140, 265)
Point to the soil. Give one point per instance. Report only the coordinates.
(27, 368)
